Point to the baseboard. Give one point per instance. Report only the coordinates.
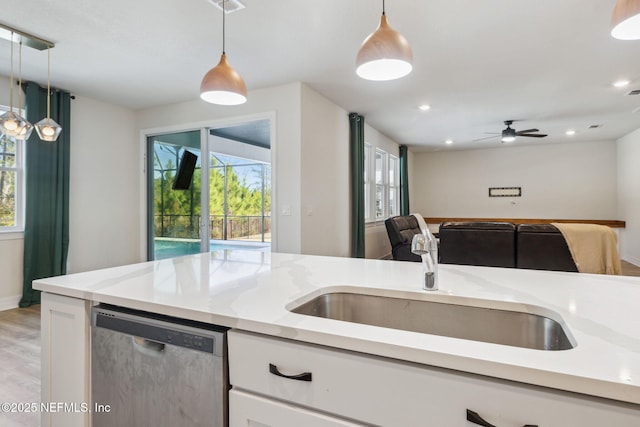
(7, 303)
(633, 260)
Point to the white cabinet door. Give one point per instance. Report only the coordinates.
(249, 410)
(65, 324)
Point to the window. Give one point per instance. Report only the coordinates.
(394, 186)
(381, 184)
(367, 184)
(11, 183)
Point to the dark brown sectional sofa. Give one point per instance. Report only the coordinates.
(492, 244)
(503, 244)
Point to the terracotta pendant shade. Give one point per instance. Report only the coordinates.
(222, 85)
(625, 20)
(384, 55)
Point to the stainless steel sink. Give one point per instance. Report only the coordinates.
(499, 326)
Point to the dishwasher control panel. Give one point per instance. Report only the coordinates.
(160, 329)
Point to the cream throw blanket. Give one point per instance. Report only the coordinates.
(594, 248)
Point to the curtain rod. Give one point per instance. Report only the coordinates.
(16, 36)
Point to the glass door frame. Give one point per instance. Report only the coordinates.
(146, 228)
(203, 225)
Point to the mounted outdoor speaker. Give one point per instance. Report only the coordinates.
(185, 171)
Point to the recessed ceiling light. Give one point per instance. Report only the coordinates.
(621, 83)
(570, 132)
(425, 107)
(448, 142)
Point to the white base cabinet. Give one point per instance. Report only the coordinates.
(386, 392)
(249, 410)
(65, 325)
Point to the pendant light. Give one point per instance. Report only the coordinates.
(222, 85)
(28, 129)
(47, 128)
(12, 124)
(385, 54)
(625, 20)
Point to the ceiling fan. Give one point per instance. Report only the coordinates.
(509, 134)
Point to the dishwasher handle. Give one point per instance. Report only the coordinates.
(148, 347)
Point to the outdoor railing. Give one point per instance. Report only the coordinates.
(221, 227)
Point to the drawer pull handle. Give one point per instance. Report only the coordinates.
(305, 376)
(477, 419)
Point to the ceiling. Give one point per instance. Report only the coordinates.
(547, 63)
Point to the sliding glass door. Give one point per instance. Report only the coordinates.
(209, 189)
(240, 194)
(174, 189)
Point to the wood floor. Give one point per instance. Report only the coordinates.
(20, 359)
(629, 269)
(20, 363)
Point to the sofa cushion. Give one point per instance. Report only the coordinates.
(489, 244)
(542, 247)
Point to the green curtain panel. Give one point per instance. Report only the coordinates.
(404, 180)
(356, 143)
(46, 228)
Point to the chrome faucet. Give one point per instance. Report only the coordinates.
(426, 246)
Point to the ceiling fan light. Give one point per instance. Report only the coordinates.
(625, 20)
(508, 135)
(384, 55)
(222, 85)
(48, 130)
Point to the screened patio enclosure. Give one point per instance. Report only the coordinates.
(238, 200)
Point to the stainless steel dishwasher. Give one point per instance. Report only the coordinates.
(153, 370)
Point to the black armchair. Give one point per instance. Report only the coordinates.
(401, 230)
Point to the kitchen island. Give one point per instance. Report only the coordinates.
(252, 293)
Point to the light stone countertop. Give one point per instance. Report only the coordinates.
(251, 290)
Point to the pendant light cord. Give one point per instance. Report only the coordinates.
(383, 7)
(11, 79)
(223, 25)
(48, 83)
(20, 77)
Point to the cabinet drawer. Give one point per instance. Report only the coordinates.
(247, 410)
(388, 392)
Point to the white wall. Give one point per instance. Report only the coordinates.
(575, 181)
(376, 240)
(284, 101)
(11, 255)
(324, 177)
(105, 165)
(629, 195)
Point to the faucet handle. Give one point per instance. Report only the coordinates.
(419, 245)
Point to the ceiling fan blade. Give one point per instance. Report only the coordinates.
(520, 132)
(534, 135)
(488, 137)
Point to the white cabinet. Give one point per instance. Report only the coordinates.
(386, 392)
(249, 410)
(65, 325)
